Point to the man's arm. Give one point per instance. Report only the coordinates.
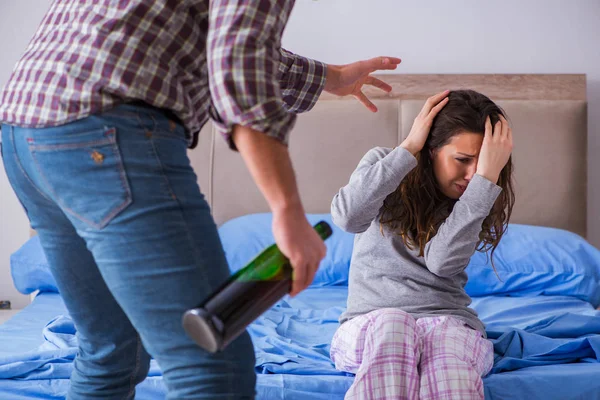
(244, 60)
(271, 168)
(302, 80)
(243, 51)
(255, 83)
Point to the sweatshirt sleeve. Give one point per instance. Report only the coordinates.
(449, 251)
(378, 174)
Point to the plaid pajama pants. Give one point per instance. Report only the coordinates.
(396, 357)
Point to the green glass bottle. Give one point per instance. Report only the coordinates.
(244, 297)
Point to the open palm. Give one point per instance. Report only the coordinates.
(349, 79)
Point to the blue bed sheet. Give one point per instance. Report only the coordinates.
(552, 351)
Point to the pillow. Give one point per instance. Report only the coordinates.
(535, 260)
(530, 260)
(245, 237)
(30, 270)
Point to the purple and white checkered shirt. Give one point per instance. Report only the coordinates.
(196, 58)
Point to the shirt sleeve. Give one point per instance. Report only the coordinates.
(250, 74)
(302, 80)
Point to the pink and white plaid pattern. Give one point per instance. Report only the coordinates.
(196, 58)
(396, 357)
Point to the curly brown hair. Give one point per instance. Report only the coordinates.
(417, 208)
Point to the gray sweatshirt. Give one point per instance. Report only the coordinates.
(383, 271)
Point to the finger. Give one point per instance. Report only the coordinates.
(393, 60)
(488, 128)
(435, 110)
(497, 129)
(383, 63)
(509, 138)
(433, 101)
(360, 96)
(505, 126)
(378, 83)
(312, 272)
(312, 268)
(299, 277)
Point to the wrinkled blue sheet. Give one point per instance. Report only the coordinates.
(546, 347)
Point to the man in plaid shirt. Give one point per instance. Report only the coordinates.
(98, 115)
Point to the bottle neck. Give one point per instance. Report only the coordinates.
(323, 229)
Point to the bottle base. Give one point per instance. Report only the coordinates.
(198, 325)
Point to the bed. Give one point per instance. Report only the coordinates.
(541, 315)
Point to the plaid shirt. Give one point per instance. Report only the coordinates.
(196, 58)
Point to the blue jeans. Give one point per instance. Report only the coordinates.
(132, 244)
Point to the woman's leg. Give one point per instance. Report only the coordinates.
(454, 358)
(382, 349)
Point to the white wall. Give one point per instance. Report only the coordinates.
(437, 36)
(18, 22)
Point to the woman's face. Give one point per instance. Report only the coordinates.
(455, 163)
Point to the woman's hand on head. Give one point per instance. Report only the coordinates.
(415, 140)
(495, 149)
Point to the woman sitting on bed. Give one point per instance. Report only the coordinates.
(420, 211)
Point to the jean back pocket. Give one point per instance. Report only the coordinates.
(84, 172)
